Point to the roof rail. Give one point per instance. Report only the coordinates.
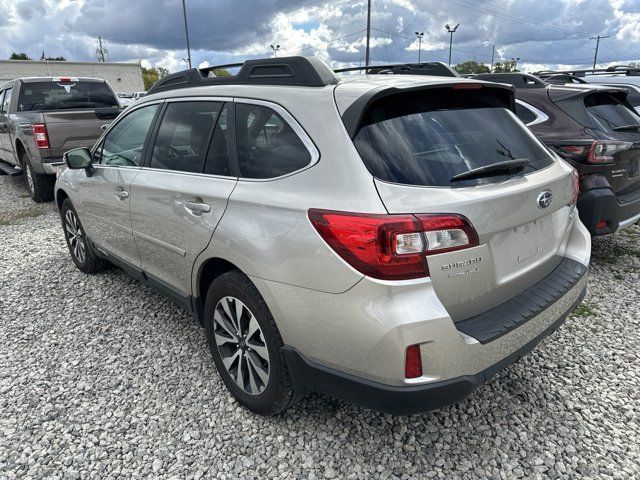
(438, 69)
(626, 69)
(518, 80)
(294, 71)
(561, 78)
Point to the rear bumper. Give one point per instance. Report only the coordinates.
(307, 375)
(602, 204)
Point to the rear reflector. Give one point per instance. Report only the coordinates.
(413, 362)
(392, 247)
(40, 135)
(602, 224)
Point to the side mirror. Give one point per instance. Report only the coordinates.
(79, 158)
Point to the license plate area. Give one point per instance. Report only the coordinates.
(520, 247)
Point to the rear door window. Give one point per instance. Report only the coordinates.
(605, 112)
(426, 138)
(268, 146)
(184, 136)
(61, 95)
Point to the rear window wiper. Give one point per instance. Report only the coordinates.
(622, 128)
(507, 166)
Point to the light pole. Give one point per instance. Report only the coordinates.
(186, 30)
(451, 32)
(275, 49)
(420, 36)
(515, 61)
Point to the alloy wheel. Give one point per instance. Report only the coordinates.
(241, 345)
(29, 175)
(75, 236)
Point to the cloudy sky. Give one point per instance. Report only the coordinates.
(552, 33)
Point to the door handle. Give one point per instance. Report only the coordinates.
(197, 207)
(122, 194)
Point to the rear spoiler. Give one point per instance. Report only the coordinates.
(352, 116)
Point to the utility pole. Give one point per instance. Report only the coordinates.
(186, 31)
(420, 36)
(275, 49)
(597, 39)
(451, 32)
(100, 51)
(367, 56)
(493, 54)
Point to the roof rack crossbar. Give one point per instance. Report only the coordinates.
(290, 71)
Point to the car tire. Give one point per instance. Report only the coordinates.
(80, 249)
(262, 385)
(40, 186)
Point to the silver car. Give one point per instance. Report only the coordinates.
(393, 241)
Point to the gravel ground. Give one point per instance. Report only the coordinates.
(102, 378)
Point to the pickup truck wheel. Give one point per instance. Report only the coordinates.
(40, 186)
(81, 252)
(246, 345)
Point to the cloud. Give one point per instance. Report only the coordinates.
(540, 32)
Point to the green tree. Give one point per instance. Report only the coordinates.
(152, 75)
(467, 68)
(56, 59)
(506, 66)
(19, 56)
(221, 72)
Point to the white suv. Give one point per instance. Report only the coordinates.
(390, 240)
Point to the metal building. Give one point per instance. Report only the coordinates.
(123, 77)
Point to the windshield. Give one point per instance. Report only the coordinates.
(52, 95)
(430, 137)
(606, 113)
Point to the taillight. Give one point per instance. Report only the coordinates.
(413, 362)
(603, 151)
(576, 186)
(392, 247)
(40, 135)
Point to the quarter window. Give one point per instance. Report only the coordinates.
(524, 114)
(184, 136)
(123, 145)
(268, 147)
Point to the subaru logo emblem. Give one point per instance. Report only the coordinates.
(544, 199)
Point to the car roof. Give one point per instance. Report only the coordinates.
(52, 79)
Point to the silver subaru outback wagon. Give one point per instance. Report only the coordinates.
(393, 241)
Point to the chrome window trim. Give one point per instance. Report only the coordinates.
(540, 115)
(297, 128)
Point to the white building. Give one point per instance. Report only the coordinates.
(123, 77)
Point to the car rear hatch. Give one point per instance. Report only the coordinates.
(616, 128)
(420, 147)
(74, 110)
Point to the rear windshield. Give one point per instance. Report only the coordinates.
(605, 112)
(59, 96)
(427, 138)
